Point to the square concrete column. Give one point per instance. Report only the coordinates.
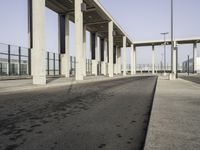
(110, 40)
(132, 59)
(103, 62)
(174, 58)
(38, 55)
(106, 55)
(173, 62)
(124, 55)
(194, 57)
(94, 54)
(79, 39)
(118, 60)
(65, 56)
(153, 59)
(84, 50)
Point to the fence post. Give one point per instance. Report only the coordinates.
(59, 59)
(54, 64)
(74, 65)
(19, 60)
(48, 63)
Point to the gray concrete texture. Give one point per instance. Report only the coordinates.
(175, 118)
(109, 115)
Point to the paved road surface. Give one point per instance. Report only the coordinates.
(108, 115)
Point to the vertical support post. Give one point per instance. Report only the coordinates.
(118, 60)
(9, 65)
(153, 59)
(94, 48)
(174, 58)
(110, 40)
(38, 53)
(48, 63)
(84, 50)
(79, 39)
(124, 55)
(188, 65)
(194, 57)
(30, 24)
(54, 64)
(19, 61)
(64, 49)
(132, 59)
(29, 61)
(106, 55)
(103, 61)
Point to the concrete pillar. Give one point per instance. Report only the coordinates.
(132, 59)
(94, 49)
(84, 50)
(194, 57)
(118, 60)
(124, 55)
(153, 59)
(110, 40)
(65, 56)
(38, 52)
(106, 55)
(79, 39)
(103, 62)
(174, 58)
(173, 63)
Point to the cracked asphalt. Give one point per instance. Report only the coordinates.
(107, 115)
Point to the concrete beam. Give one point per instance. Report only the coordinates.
(38, 52)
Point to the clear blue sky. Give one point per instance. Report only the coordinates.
(141, 19)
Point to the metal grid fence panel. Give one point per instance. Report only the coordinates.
(14, 60)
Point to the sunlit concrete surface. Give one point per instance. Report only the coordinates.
(110, 115)
(175, 119)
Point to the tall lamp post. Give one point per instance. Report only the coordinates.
(164, 34)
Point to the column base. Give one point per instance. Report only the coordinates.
(110, 70)
(94, 67)
(64, 65)
(115, 68)
(172, 76)
(39, 80)
(103, 68)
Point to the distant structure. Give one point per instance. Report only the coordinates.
(191, 66)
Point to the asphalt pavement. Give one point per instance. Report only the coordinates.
(108, 115)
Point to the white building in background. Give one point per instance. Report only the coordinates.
(185, 65)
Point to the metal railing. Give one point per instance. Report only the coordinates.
(53, 64)
(14, 60)
(88, 66)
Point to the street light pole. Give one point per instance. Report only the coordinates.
(164, 34)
